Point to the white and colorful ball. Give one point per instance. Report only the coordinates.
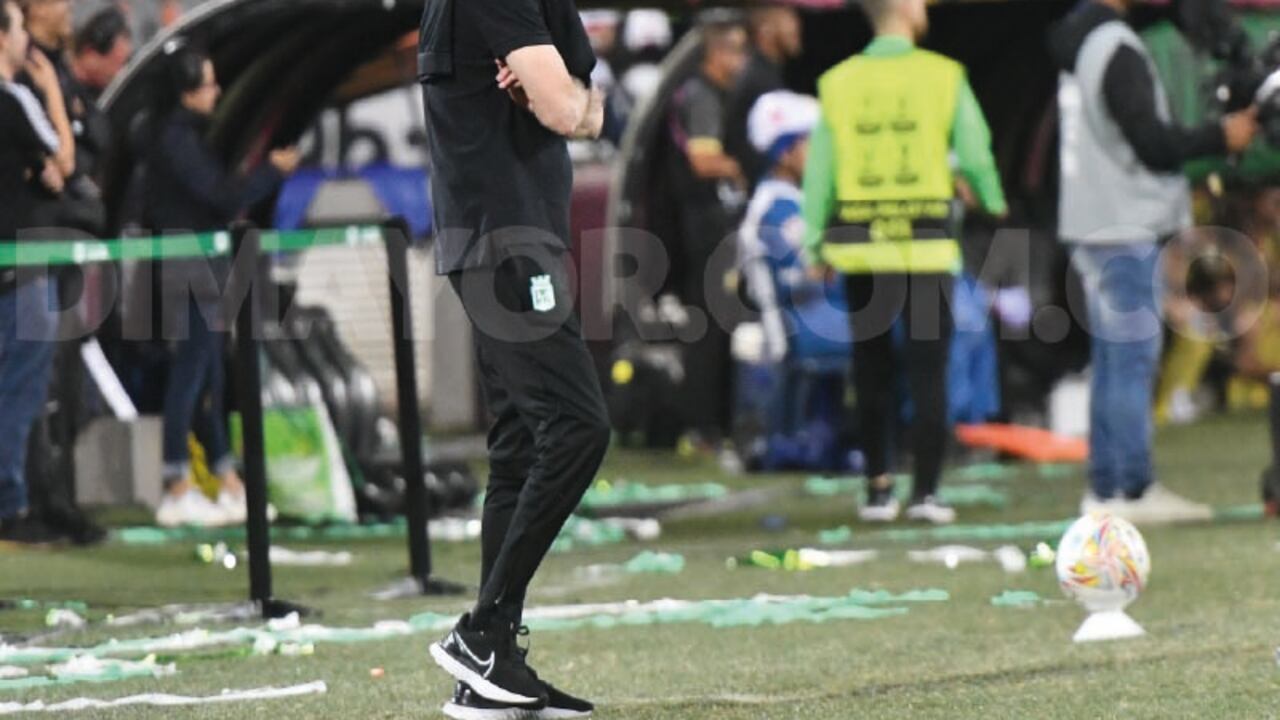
(1103, 562)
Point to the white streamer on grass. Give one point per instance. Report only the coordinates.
(163, 700)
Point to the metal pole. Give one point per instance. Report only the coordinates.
(396, 236)
(247, 247)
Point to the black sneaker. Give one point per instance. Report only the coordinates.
(560, 704)
(467, 704)
(29, 531)
(486, 659)
(563, 706)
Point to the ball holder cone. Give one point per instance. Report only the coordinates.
(1108, 625)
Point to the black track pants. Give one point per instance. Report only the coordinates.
(550, 427)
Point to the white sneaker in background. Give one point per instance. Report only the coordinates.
(236, 507)
(882, 510)
(1160, 505)
(1093, 504)
(190, 508)
(233, 506)
(931, 511)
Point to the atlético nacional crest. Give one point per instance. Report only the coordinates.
(544, 294)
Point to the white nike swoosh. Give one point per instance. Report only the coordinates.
(486, 664)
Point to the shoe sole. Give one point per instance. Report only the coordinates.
(559, 714)
(478, 682)
(462, 712)
(878, 516)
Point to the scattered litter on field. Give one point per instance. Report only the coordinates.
(1011, 558)
(186, 615)
(968, 495)
(377, 673)
(162, 700)
(613, 495)
(1022, 599)
(950, 555)
(858, 604)
(836, 536)
(584, 532)
(284, 557)
(62, 618)
(29, 604)
(450, 529)
(1044, 556)
(976, 533)
(655, 563)
(86, 668)
(801, 559)
(1239, 513)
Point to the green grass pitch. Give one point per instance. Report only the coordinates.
(1212, 613)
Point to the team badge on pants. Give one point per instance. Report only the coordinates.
(544, 293)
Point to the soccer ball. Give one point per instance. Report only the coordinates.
(1103, 563)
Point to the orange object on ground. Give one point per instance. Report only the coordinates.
(1034, 444)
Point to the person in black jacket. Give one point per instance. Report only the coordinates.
(188, 189)
(776, 37)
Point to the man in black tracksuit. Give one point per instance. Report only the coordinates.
(506, 85)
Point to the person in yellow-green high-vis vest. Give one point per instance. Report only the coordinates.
(900, 130)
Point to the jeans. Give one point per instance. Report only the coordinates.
(28, 328)
(1125, 325)
(193, 400)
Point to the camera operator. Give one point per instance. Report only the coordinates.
(1122, 193)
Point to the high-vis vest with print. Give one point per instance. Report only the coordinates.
(891, 120)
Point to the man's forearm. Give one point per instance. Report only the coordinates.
(592, 117)
(57, 112)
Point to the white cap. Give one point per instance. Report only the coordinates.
(594, 20)
(779, 115)
(647, 29)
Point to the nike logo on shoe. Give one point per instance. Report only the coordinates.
(486, 664)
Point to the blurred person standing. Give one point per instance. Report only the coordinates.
(33, 154)
(602, 30)
(881, 209)
(188, 189)
(100, 51)
(646, 40)
(1122, 194)
(79, 207)
(706, 189)
(776, 38)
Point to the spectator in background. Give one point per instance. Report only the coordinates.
(32, 153)
(101, 49)
(51, 467)
(776, 37)
(703, 179)
(189, 189)
(602, 32)
(1122, 194)
(646, 38)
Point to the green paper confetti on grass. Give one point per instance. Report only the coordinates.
(606, 494)
(971, 495)
(1017, 599)
(657, 563)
